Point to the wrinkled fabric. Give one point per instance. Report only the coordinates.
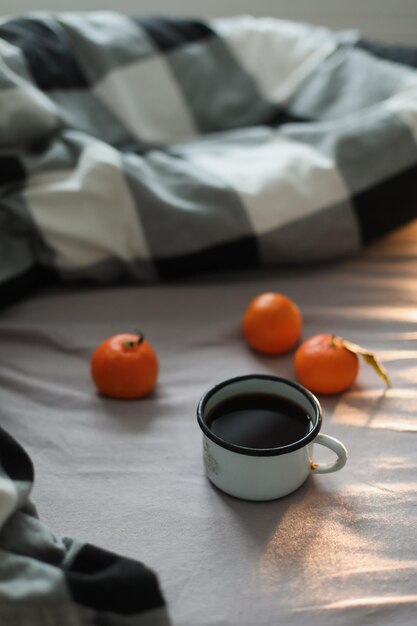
(129, 474)
(139, 149)
(47, 580)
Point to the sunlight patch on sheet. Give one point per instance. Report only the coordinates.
(363, 602)
(395, 424)
(389, 409)
(396, 313)
(375, 488)
(400, 336)
(319, 549)
(397, 355)
(395, 462)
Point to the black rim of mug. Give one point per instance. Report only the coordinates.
(315, 404)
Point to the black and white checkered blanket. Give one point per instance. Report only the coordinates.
(46, 581)
(137, 149)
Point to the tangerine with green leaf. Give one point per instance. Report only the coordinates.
(329, 364)
(324, 365)
(125, 366)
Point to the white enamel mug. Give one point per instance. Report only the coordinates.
(267, 473)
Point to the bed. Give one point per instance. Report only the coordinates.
(128, 476)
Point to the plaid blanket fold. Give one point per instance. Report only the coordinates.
(145, 148)
(45, 580)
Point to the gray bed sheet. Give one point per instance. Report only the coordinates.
(128, 475)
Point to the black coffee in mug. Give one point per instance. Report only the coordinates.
(259, 420)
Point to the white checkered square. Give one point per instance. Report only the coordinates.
(277, 54)
(26, 115)
(146, 98)
(88, 215)
(404, 105)
(279, 181)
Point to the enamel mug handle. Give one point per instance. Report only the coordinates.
(337, 447)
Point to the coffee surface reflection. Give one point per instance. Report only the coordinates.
(259, 420)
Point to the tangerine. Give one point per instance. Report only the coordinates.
(324, 365)
(125, 366)
(272, 323)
